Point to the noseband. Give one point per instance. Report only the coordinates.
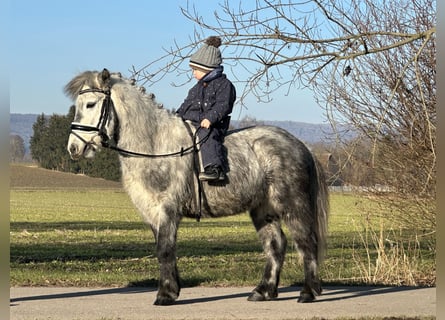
(100, 128)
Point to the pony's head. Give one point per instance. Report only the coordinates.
(94, 117)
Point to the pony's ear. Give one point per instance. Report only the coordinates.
(104, 78)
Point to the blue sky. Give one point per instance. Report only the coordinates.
(51, 41)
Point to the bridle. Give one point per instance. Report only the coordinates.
(106, 109)
(100, 128)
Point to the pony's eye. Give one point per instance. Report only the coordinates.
(91, 105)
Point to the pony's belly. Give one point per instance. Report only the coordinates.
(230, 200)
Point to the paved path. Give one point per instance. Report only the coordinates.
(217, 303)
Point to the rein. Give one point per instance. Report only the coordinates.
(106, 109)
(191, 149)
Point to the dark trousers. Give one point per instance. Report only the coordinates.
(212, 149)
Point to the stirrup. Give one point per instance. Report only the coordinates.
(212, 174)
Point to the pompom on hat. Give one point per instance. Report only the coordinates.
(208, 57)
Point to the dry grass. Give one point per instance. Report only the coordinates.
(29, 176)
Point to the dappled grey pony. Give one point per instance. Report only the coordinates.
(272, 175)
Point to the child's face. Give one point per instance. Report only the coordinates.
(198, 74)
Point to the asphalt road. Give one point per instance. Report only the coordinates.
(217, 303)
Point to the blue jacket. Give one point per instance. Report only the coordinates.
(210, 98)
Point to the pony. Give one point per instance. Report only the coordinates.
(272, 175)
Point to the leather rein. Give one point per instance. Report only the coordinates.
(100, 128)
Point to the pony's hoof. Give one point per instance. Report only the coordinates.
(164, 301)
(306, 297)
(257, 296)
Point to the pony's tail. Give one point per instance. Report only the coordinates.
(321, 206)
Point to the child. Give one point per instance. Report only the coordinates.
(208, 106)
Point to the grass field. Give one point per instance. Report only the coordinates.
(74, 230)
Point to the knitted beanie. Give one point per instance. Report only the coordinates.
(208, 57)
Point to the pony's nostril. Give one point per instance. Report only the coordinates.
(73, 149)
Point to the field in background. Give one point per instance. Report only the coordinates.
(31, 177)
(78, 231)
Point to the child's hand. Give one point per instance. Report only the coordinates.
(205, 123)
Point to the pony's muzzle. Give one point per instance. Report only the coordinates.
(79, 146)
(77, 151)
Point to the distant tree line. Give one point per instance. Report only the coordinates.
(51, 133)
(48, 149)
(50, 136)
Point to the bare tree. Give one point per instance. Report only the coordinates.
(371, 64)
(390, 98)
(16, 148)
(278, 43)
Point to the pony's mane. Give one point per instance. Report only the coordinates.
(148, 97)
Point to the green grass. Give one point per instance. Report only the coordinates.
(96, 238)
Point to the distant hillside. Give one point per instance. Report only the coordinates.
(309, 133)
(21, 124)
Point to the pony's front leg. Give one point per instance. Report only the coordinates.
(168, 290)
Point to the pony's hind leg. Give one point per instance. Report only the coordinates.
(274, 244)
(306, 243)
(312, 285)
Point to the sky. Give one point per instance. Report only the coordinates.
(51, 41)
